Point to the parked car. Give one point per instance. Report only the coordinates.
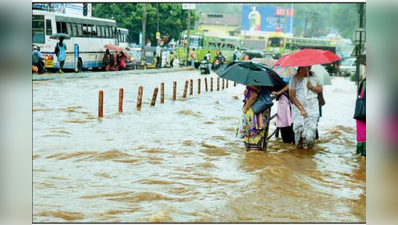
(135, 61)
(348, 67)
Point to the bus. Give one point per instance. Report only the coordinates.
(204, 42)
(85, 49)
(123, 37)
(278, 43)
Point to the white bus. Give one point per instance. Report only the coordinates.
(123, 37)
(88, 36)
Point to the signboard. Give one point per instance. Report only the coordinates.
(71, 8)
(266, 19)
(157, 35)
(189, 6)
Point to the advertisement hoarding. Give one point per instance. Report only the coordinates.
(266, 19)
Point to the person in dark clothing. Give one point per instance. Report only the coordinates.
(107, 60)
(37, 59)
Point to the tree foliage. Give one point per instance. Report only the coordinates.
(172, 18)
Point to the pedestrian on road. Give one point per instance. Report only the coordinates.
(60, 52)
(236, 53)
(284, 119)
(361, 124)
(171, 59)
(254, 126)
(122, 61)
(158, 53)
(37, 59)
(303, 91)
(116, 61)
(107, 60)
(208, 56)
(193, 57)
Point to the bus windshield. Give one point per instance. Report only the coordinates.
(274, 42)
(38, 29)
(196, 41)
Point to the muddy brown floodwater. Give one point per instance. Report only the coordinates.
(181, 162)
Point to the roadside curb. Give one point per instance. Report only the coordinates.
(105, 74)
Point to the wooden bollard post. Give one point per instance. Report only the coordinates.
(139, 98)
(174, 90)
(206, 84)
(199, 85)
(218, 83)
(211, 84)
(121, 100)
(223, 83)
(234, 83)
(162, 93)
(155, 94)
(191, 88)
(226, 84)
(185, 89)
(101, 104)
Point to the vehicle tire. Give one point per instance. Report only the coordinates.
(79, 66)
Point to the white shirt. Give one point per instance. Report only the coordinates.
(158, 51)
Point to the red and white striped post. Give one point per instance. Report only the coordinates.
(121, 100)
(101, 104)
(174, 90)
(139, 98)
(162, 93)
(185, 89)
(155, 94)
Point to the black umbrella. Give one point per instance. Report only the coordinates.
(249, 73)
(59, 35)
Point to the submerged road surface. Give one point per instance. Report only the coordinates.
(180, 161)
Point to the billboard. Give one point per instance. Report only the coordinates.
(65, 8)
(266, 19)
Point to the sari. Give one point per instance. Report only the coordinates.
(255, 129)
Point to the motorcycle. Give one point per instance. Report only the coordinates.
(204, 67)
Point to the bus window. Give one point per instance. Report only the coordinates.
(79, 30)
(99, 34)
(49, 29)
(38, 29)
(85, 30)
(111, 32)
(103, 31)
(61, 28)
(74, 29)
(94, 30)
(69, 29)
(90, 30)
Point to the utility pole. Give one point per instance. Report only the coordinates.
(143, 40)
(285, 20)
(359, 45)
(157, 9)
(188, 38)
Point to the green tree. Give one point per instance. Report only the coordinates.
(345, 18)
(172, 18)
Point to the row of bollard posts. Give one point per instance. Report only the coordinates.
(155, 93)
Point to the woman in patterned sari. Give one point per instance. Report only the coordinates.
(303, 90)
(255, 128)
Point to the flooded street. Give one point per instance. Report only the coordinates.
(180, 161)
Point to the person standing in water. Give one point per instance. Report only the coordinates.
(304, 88)
(60, 51)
